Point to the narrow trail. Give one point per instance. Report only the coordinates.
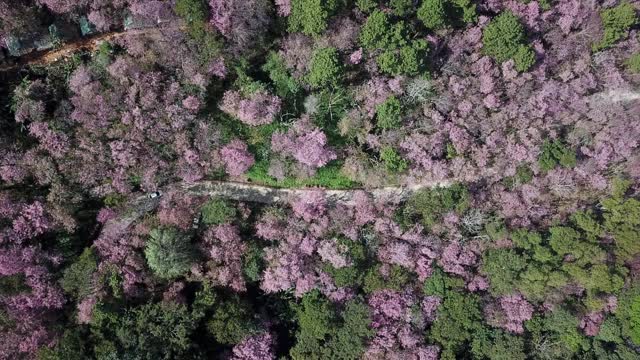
(88, 43)
(247, 192)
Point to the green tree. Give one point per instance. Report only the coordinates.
(147, 332)
(622, 221)
(633, 63)
(253, 263)
(628, 313)
(366, 6)
(439, 284)
(378, 33)
(504, 38)
(195, 14)
(392, 161)
(556, 153)
(502, 267)
(459, 318)
(524, 58)
(13, 285)
(430, 204)
(169, 253)
(350, 276)
(433, 13)
(325, 68)
(77, 279)
(71, 346)
(407, 60)
(389, 113)
(286, 86)
(311, 16)
(323, 333)
(616, 21)
(561, 328)
(157, 331)
(497, 345)
(401, 7)
(231, 321)
(217, 211)
(397, 279)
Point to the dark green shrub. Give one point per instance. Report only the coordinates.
(617, 22)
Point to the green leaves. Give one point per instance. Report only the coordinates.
(430, 204)
(378, 33)
(617, 22)
(389, 113)
(407, 60)
(628, 313)
(325, 68)
(556, 153)
(285, 85)
(504, 38)
(311, 16)
(77, 279)
(622, 220)
(438, 14)
(231, 321)
(633, 63)
(169, 253)
(393, 162)
(326, 334)
(433, 13)
(503, 267)
(459, 318)
(217, 211)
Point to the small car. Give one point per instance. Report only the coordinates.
(155, 194)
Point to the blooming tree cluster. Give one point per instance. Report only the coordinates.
(498, 140)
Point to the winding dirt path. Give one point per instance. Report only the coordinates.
(247, 192)
(87, 43)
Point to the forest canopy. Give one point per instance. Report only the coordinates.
(319, 179)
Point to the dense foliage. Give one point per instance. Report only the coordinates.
(484, 156)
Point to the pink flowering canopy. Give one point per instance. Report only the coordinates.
(306, 179)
